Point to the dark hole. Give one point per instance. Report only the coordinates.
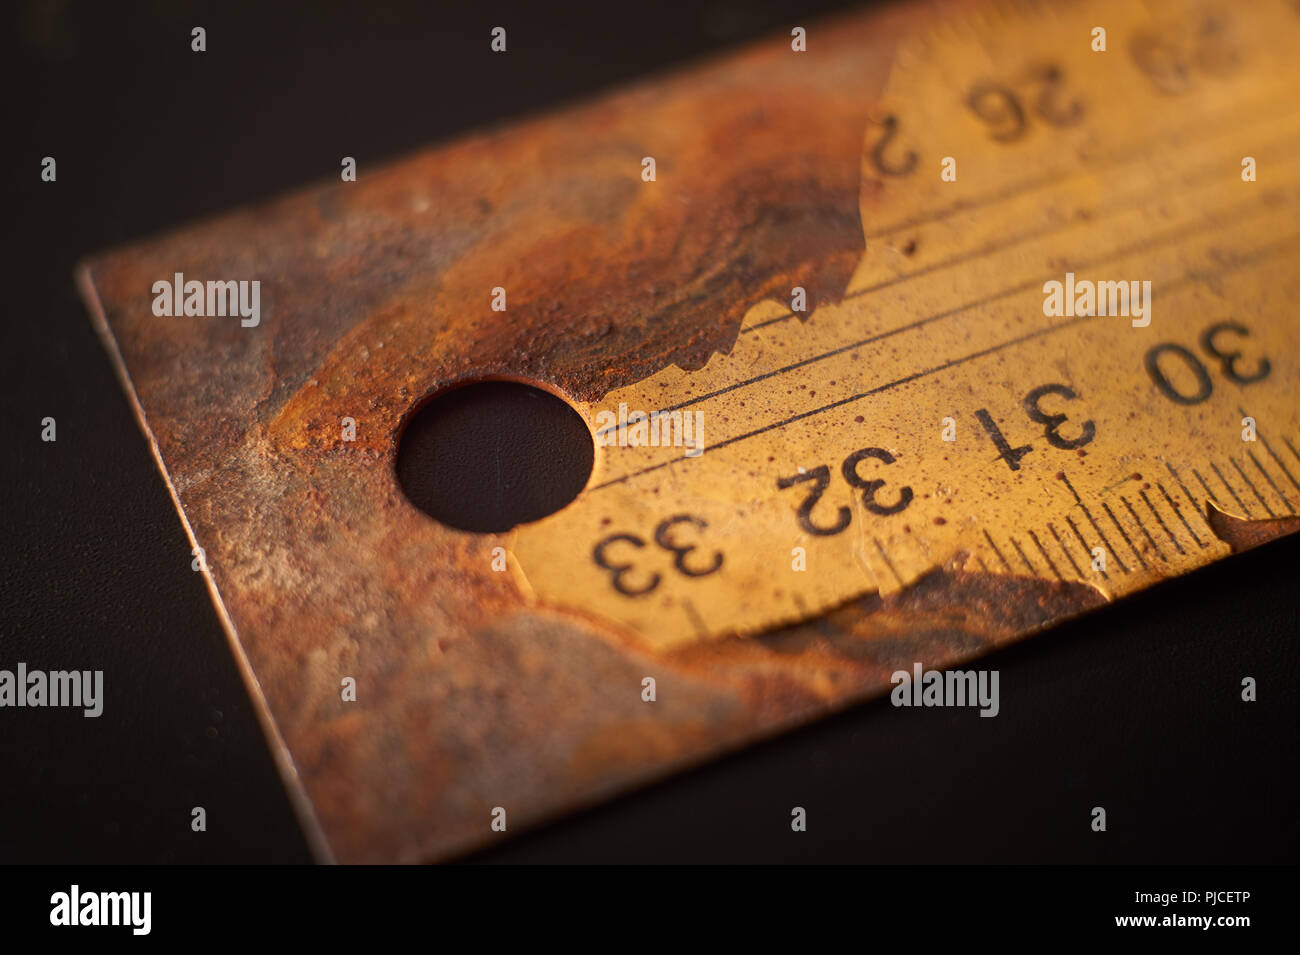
(494, 454)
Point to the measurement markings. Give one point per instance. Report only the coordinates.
(1086, 549)
(1269, 478)
(889, 563)
(1046, 556)
(1119, 527)
(1273, 454)
(1196, 506)
(1161, 521)
(1064, 550)
(1292, 447)
(1143, 528)
(697, 621)
(1231, 490)
(1181, 517)
(1016, 545)
(1213, 497)
(998, 552)
(1252, 487)
(1095, 526)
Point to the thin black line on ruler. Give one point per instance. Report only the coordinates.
(888, 562)
(1119, 207)
(1273, 454)
(1292, 447)
(1143, 528)
(1231, 490)
(939, 316)
(911, 326)
(1268, 510)
(858, 397)
(1043, 551)
(899, 279)
(1119, 527)
(998, 552)
(1195, 504)
(983, 566)
(1161, 521)
(1095, 526)
(696, 619)
(1193, 275)
(1016, 544)
(1181, 516)
(1145, 244)
(1086, 549)
(1213, 497)
(1064, 550)
(1269, 478)
(966, 205)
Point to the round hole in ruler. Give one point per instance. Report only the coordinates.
(490, 455)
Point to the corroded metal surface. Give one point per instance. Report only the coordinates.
(376, 294)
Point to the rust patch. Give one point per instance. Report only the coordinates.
(376, 294)
(1243, 535)
(946, 617)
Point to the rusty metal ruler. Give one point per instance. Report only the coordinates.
(933, 326)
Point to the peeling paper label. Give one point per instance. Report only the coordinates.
(1073, 328)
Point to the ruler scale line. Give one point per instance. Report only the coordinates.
(1231, 490)
(998, 552)
(1086, 548)
(1273, 454)
(889, 563)
(700, 626)
(1195, 504)
(1254, 490)
(1095, 526)
(1136, 553)
(1016, 544)
(1143, 528)
(1292, 447)
(1047, 557)
(1213, 497)
(1161, 521)
(1269, 478)
(1181, 516)
(1064, 550)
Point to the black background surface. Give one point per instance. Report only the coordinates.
(1135, 708)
